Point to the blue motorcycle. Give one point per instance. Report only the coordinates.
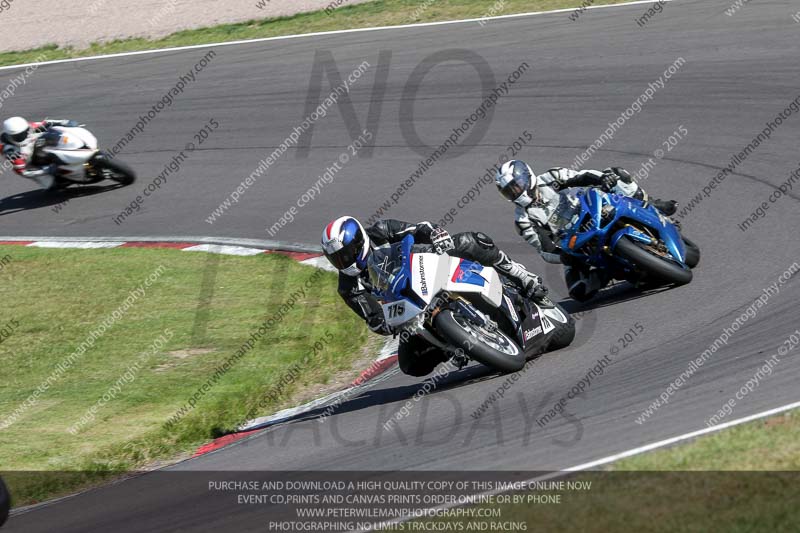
(629, 239)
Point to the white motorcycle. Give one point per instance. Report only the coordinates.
(464, 308)
(75, 153)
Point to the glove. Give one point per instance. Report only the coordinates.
(61, 122)
(621, 173)
(442, 241)
(536, 292)
(377, 325)
(608, 181)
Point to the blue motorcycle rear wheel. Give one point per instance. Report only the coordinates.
(692, 253)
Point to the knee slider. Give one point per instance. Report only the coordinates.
(484, 241)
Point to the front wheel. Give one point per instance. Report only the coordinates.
(114, 169)
(654, 267)
(490, 347)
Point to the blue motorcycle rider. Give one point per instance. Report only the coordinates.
(542, 200)
(348, 245)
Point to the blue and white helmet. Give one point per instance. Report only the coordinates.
(514, 179)
(346, 245)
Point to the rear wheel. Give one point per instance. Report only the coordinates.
(655, 268)
(564, 333)
(114, 169)
(491, 347)
(692, 253)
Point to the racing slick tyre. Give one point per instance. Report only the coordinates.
(654, 267)
(115, 169)
(564, 333)
(491, 347)
(692, 253)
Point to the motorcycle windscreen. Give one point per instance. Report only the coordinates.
(386, 270)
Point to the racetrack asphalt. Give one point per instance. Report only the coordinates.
(740, 71)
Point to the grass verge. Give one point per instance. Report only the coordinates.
(371, 14)
(739, 480)
(772, 444)
(202, 307)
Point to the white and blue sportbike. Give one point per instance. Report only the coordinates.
(464, 308)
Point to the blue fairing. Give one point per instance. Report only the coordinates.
(629, 215)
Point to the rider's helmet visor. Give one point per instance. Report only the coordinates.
(19, 137)
(347, 256)
(514, 188)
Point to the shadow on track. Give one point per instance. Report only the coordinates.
(368, 397)
(620, 292)
(39, 198)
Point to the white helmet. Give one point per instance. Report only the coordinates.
(16, 129)
(514, 179)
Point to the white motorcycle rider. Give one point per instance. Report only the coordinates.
(58, 153)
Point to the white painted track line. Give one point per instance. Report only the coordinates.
(629, 453)
(77, 244)
(680, 438)
(322, 33)
(224, 250)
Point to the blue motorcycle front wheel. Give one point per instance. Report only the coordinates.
(651, 266)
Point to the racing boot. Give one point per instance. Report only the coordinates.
(667, 207)
(529, 283)
(46, 177)
(632, 189)
(583, 284)
(45, 181)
